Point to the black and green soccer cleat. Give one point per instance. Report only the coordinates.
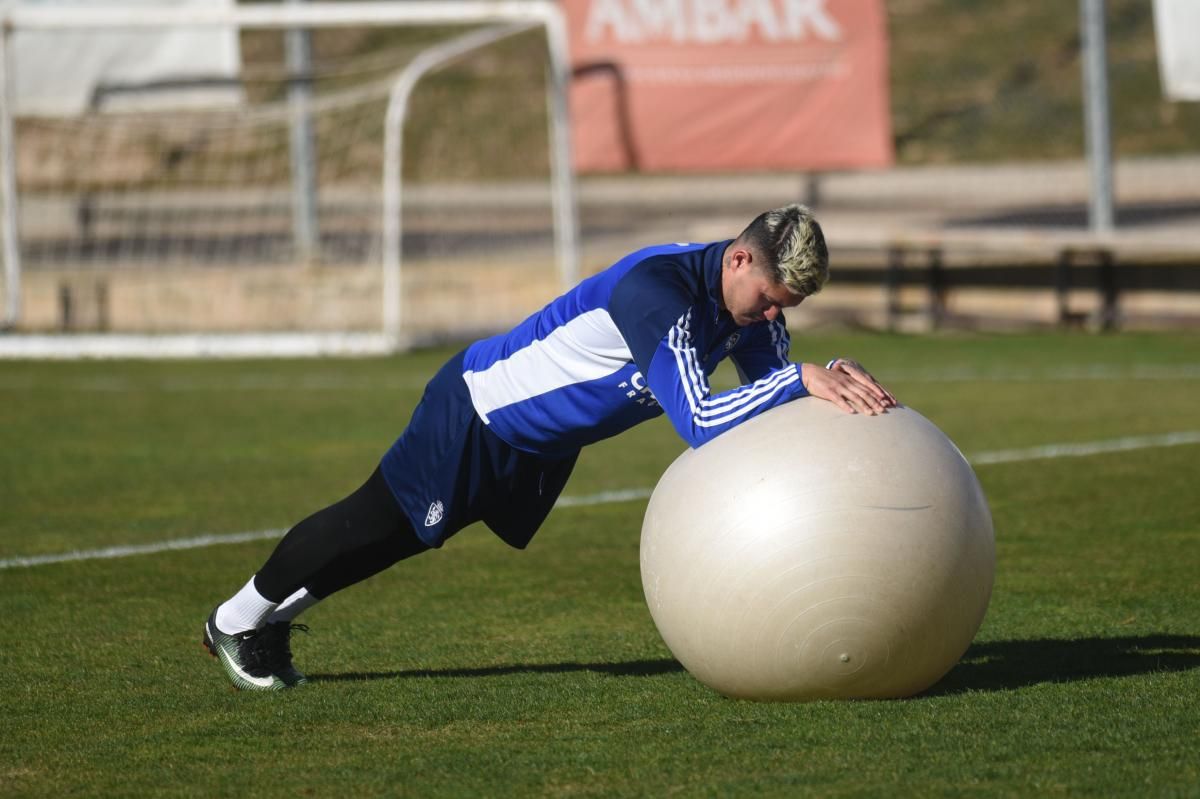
(275, 642)
(256, 660)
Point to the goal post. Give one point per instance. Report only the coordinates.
(486, 237)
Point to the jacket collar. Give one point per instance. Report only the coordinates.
(713, 255)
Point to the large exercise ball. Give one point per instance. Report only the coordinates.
(811, 554)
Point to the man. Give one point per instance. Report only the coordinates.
(498, 430)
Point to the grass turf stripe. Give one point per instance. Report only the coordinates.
(338, 381)
(1047, 451)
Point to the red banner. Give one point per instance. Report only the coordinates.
(712, 85)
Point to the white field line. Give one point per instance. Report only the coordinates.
(1052, 374)
(1048, 451)
(115, 384)
(1086, 448)
(603, 498)
(140, 549)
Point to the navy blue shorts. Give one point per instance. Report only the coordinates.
(448, 470)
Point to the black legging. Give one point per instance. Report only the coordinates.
(341, 545)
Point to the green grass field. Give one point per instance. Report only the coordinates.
(481, 671)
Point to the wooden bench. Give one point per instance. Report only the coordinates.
(1061, 261)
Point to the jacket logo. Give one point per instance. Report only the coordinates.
(732, 341)
(436, 511)
(637, 390)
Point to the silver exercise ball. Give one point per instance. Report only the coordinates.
(813, 554)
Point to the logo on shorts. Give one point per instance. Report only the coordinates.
(436, 511)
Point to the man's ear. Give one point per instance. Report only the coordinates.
(740, 257)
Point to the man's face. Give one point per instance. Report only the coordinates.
(749, 293)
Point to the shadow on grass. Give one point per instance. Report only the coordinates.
(633, 668)
(1003, 665)
(990, 666)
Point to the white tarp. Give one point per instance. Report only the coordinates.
(1177, 25)
(67, 72)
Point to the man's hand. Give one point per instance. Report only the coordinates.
(847, 385)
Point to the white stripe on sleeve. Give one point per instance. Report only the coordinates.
(708, 411)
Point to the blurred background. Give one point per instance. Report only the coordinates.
(157, 192)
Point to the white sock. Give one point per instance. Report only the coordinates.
(245, 610)
(293, 606)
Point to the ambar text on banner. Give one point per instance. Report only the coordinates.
(710, 21)
(718, 85)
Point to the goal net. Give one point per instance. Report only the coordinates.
(374, 176)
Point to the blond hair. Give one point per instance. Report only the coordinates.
(793, 246)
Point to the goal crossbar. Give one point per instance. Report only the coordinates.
(273, 16)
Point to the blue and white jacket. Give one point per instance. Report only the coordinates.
(625, 345)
